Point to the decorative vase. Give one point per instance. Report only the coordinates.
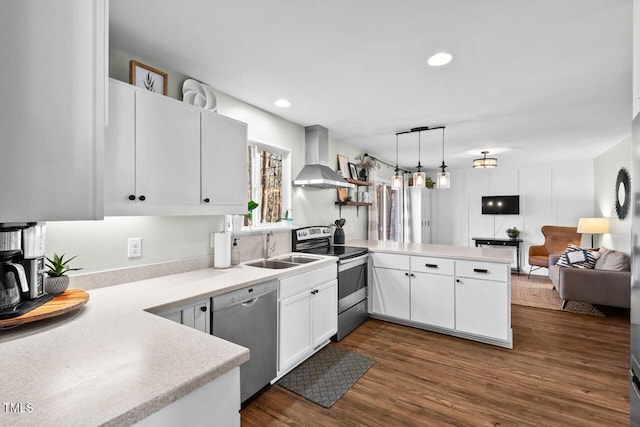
(513, 235)
(362, 175)
(56, 285)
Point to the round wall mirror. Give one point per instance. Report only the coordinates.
(623, 192)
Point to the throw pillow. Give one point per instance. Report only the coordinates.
(603, 257)
(577, 257)
(616, 261)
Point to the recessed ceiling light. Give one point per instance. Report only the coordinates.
(440, 58)
(282, 103)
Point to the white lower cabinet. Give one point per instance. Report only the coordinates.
(482, 307)
(195, 316)
(433, 299)
(308, 315)
(295, 334)
(471, 299)
(324, 311)
(390, 292)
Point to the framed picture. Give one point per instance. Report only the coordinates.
(353, 171)
(343, 165)
(148, 78)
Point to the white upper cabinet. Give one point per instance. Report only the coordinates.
(167, 151)
(53, 114)
(164, 157)
(120, 148)
(224, 153)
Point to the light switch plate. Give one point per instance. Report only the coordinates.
(134, 247)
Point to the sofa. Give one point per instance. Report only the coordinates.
(607, 283)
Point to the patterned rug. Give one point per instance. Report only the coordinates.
(327, 375)
(538, 291)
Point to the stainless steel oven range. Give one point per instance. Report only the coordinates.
(352, 274)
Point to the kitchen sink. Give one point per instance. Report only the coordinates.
(271, 263)
(298, 259)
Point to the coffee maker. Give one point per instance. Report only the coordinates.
(33, 259)
(22, 249)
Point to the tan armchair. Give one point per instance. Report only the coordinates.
(556, 240)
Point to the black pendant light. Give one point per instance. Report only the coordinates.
(443, 179)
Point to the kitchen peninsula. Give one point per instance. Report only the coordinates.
(455, 290)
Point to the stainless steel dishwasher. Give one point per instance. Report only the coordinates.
(248, 317)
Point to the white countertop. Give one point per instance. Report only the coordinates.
(113, 362)
(439, 251)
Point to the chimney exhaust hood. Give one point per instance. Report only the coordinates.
(316, 173)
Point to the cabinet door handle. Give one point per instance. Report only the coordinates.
(132, 197)
(413, 275)
(142, 198)
(203, 308)
(458, 281)
(431, 265)
(206, 200)
(406, 274)
(480, 270)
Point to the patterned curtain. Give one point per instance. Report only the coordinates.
(271, 177)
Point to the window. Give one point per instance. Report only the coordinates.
(269, 184)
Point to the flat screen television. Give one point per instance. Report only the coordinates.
(501, 205)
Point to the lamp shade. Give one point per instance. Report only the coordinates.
(593, 225)
(485, 162)
(396, 182)
(443, 180)
(419, 179)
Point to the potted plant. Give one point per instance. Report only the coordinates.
(364, 163)
(513, 232)
(58, 282)
(251, 205)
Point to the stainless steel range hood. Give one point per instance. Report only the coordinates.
(316, 173)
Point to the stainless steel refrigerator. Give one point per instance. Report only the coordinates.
(400, 215)
(635, 275)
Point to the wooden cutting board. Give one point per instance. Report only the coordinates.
(69, 300)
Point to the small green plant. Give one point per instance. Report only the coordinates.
(251, 205)
(58, 266)
(429, 183)
(513, 232)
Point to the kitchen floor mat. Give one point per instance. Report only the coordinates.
(327, 375)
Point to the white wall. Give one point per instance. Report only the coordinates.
(102, 245)
(554, 193)
(606, 167)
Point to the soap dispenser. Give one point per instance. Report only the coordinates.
(235, 253)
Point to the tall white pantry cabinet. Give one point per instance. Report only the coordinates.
(53, 109)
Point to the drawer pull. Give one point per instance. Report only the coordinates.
(406, 274)
(431, 265)
(480, 270)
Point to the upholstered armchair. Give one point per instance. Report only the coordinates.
(556, 240)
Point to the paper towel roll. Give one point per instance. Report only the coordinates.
(222, 250)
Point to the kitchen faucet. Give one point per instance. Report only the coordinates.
(268, 249)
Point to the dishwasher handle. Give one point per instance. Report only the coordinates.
(250, 302)
(246, 297)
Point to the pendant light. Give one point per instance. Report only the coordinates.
(485, 162)
(397, 180)
(443, 179)
(419, 177)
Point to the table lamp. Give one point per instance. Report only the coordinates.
(593, 226)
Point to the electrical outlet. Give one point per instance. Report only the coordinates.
(134, 247)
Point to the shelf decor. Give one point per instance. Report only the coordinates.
(148, 78)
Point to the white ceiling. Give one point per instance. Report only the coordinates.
(535, 80)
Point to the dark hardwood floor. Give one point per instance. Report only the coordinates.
(564, 370)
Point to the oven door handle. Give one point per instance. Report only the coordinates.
(352, 262)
